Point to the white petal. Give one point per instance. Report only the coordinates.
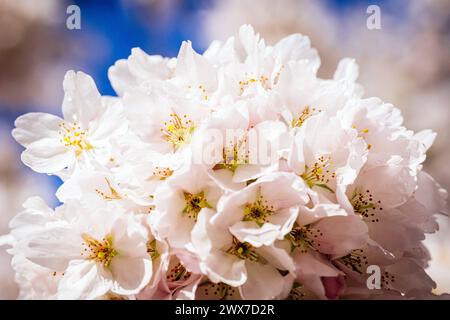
(130, 274)
(120, 76)
(48, 157)
(35, 126)
(82, 102)
(264, 282)
(297, 47)
(223, 267)
(129, 237)
(83, 280)
(341, 234)
(36, 213)
(54, 248)
(347, 70)
(311, 266)
(111, 122)
(249, 231)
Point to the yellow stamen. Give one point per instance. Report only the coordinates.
(178, 131)
(99, 251)
(72, 136)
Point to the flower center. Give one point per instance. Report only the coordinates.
(234, 154)
(298, 237)
(194, 204)
(177, 273)
(245, 251)
(258, 211)
(73, 137)
(319, 174)
(178, 131)
(362, 133)
(355, 260)
(387, 280)
(162, 173)
(114, 194)
(243, 85)
(297, 292)
(364, 204)
(306, 113)
(99, 251)
(219, 290)
(152, 250)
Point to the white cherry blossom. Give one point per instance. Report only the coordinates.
(82, 136)
(94, 251)
(236, 173)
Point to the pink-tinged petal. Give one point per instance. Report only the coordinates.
(224, 179)
(189, 260)
(158, 288)
(409, 277)
(229, 207)
(339, 235)
(393, 185)
(277, 257)
(313, 263)
(307, 215)
(427, 200)
(422, 141)
(247, 172)
(394, 231)
(310, 268)
(264, 282)
(257, 236)
(334, 286)
(283, 190)
(207, 243)
(296, 160)
(159, 292)
(188, 292)
(264, 142)
(169, 221)
(223, 267)
(430, 194)
(200, 235)
(285, 219)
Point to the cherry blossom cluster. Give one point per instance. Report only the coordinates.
(232, 174)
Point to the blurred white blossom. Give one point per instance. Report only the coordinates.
(16, 185)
